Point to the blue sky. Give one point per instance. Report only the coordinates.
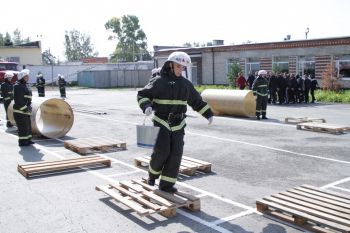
(177, 22)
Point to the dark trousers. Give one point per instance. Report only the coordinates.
(24, 128)
(306, 95)
(41, 91)
(312, 91)
(281, 95)
(63, 91)
(261, 105)
(6, 105)
(166, 156)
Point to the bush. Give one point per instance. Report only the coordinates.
(232, 75)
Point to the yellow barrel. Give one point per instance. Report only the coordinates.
(240, 103)
(52, 118)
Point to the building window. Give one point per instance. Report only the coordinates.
(306, 65)
(13, 59)
(252, 65)
(342, 64)
(280, 64)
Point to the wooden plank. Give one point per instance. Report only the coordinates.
(171, 197)
(55, 162)
(315, 197)
(312, 206)
(323, 194)
(324, 222)
(316, 202)
(139, 209)
(328, 191)
(138, 198)
(196, 160)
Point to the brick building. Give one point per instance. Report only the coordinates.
(211, 64)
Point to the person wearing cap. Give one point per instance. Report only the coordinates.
(22, 108)
(168, 96)
(260, 90)
(62, 86)
(40, 84)
(7, 94)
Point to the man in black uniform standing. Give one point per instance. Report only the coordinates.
(62, 86)
(40, 84)
(7, 94)
(260, 89)
(22, 108)
(168, 95)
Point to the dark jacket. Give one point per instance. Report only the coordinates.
(22, 97)
(260, 86)
(40, 82)
(7, 90)
(169, 95)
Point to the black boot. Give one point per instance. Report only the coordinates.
(9, 125)
(151, 181)
(264, 117)
(168, 189)
(258, 117)
(30, 142)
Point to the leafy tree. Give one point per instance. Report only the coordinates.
(275, 68)
(132, 45)
(18, 39)
(78, 46)
(48, 58)
(232, 75)
(330, 79)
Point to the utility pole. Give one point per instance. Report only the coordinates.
(306, 32)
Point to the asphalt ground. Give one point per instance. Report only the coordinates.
(250, 159)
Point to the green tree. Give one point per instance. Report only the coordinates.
(276, 69)
(232, 75)
(78, 46)
(48, 58)
(131, 38)
(17, 38)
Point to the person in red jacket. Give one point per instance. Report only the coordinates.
(241, 81)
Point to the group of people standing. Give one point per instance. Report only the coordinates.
(21, 94)
(284, 88)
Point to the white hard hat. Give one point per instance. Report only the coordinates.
(23, 73)
(181, 58)
(8, 75)
(262, 72)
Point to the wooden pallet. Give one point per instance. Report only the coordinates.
(323, 127)
(188, 166)
(297, 120)
(96, 144)
(31, 169)
(147, 200)
(309, 207)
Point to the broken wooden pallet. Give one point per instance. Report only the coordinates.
(309, 207)
(188, 166)
(323, 127)
(96, 144)
(147, 200)
(297, 120)
(37, 168)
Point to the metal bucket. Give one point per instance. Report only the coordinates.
(146, 135)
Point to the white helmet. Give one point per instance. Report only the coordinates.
(181, 58)
(8, 75)
(23, 73)
(262, 72)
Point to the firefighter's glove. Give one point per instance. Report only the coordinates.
(210, 120)
(148, 111)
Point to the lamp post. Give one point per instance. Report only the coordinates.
(306, 32)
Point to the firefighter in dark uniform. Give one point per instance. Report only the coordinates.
(62, 85)
(7, 94)
(40, 84)
(168, 95)
(22, 108)
(260, 90)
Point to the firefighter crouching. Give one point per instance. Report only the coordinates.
(260, 90)
(7, 94)
(22, 108)
(168, 95)
(40, 84)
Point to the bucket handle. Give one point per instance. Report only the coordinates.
(144, 119)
